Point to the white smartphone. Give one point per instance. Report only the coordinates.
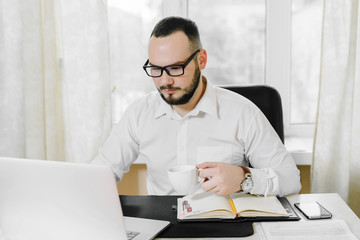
(313, 210)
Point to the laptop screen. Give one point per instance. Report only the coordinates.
(56, 200)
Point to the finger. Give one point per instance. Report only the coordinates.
(207, 165)
(218, 190)
(207, 172)
(208, 185)
(222, 193)
(214, 190)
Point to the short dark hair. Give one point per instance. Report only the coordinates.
(169, 25)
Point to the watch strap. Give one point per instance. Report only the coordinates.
(245, 169)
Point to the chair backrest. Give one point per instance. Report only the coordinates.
(268, 100)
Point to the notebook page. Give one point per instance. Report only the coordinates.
(200, 203)
(262, 204)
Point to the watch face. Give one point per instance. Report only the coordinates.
(247, 185)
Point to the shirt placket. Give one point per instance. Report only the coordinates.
(182, 142)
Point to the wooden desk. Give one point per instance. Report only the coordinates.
(331, 201)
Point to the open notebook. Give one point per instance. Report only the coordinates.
(205, 206)
(42, 200)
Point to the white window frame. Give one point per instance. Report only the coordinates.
(278, 55)
(278, 62)
(278, 75)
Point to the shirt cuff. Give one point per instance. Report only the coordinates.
(265, 182)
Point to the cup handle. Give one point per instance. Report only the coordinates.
(200, 179)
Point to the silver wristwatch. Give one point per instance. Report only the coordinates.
(248, 183)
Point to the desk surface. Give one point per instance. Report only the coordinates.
(331, 201)
(335, 204)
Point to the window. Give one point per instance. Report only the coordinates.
(130, 26)
(235, 39)
(248, 42)
(305, 60)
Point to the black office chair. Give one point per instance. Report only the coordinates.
(268, 100)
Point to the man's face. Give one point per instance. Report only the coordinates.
(174, 49)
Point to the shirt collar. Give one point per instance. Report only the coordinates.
(207, 103)
(163, 108)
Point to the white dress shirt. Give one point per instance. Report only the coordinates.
(223, 127)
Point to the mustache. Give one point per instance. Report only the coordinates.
(169, 87)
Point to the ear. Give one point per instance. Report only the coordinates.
(202, 59)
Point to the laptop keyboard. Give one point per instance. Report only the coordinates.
(131, 235)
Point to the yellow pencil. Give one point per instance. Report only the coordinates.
(232, 204)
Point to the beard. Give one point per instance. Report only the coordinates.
(188, 92)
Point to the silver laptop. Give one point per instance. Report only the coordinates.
(48, 200)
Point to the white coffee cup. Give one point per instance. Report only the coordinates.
(184, 178)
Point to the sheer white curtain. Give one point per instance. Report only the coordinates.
(54, 79)
(336, 161)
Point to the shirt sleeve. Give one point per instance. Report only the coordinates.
(273, 170)
(121, 148)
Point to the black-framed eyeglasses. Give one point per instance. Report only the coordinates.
(174, 70)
